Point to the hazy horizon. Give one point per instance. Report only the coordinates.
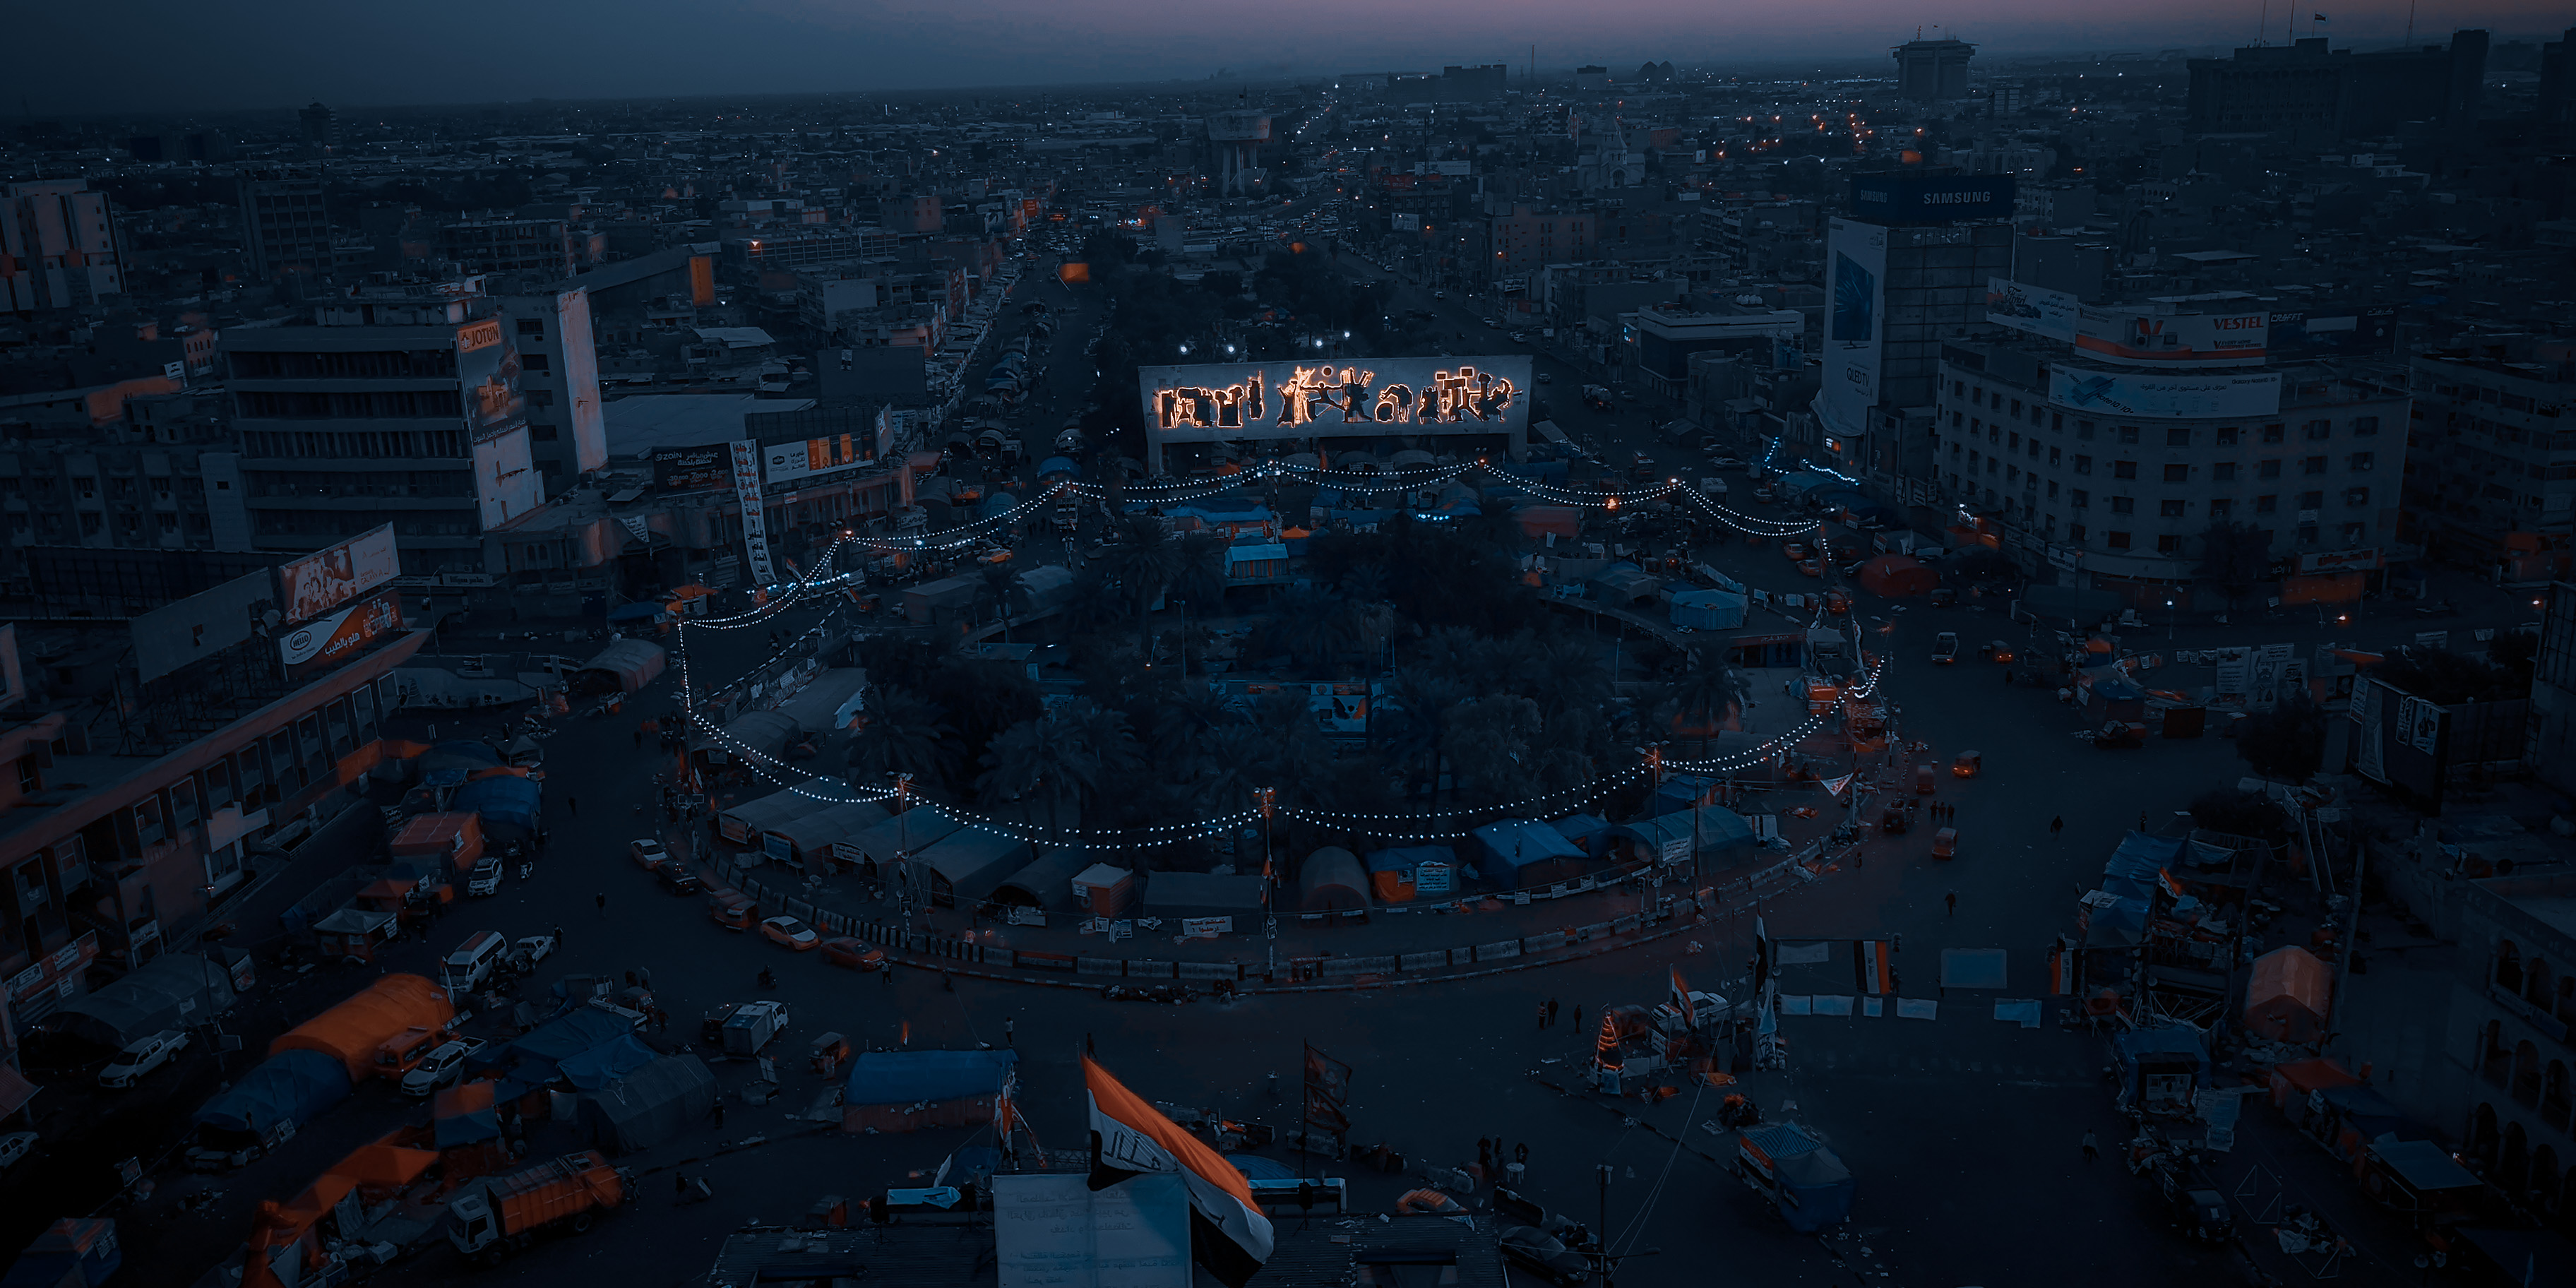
(173, 57)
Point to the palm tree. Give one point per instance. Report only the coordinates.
(1702, 702)
(1311, 624)
(1032, 757)
(906, 734)
(1417, 718)
(1002, 589)
(1199, 571)
(1142, 560)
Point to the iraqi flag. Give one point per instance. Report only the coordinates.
(1229, 1237)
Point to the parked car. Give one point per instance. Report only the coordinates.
(142, 1056)
(853, 954)
(1945, 647)
(1725, 463)
(679, 880)
(788, 932)
(440, 1067)
(14, 1146)
(485, 878)
(648, 855)
(531, 949)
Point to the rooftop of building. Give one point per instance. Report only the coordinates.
(638, 425)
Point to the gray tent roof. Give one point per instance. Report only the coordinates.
(918, 827)
(814, 706)
(1332, 878)
(974, 860)
(171, 991)
(814, 833)
(649, 1105)
(761, 733)
(776, 810)
(1047, 883)
(1168, 893)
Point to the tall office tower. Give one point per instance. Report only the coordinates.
(286, 225)
(1933, 71)
(58, 247)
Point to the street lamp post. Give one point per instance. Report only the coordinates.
(2171, 619)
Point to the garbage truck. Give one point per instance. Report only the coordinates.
(495, 1216)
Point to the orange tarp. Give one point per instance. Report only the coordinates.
(382, 1166)
(354, 1029)
(2286, 998)
(2299, 1077)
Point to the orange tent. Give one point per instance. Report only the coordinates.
(2299, 1077)
(384, 1167)
(2286, 998)
(353, 1030)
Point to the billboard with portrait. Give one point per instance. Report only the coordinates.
(2165, 395)
(1375, 397)
(2134, 339)
(201, 625)
(2035, 309)
(1854, 321)
(334, 575)
(320, 645)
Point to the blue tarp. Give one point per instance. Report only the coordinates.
(1256, 1168)
(1055, 465)
(1589, 832)
(926, 1077)
(2131, 873)
(2160, 1045)
(1816, 1188)
(603, 1065)
(1406, 858)
(289, 1087)
(1708, 610)
(1519, 851)
(999, 504)
(2107, 689)
(1669, 837)
(464, 1114)
(584, 1028)
(503, 798)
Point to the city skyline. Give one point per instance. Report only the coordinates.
(180, 57)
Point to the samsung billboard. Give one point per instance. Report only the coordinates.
(1931, 198)
(1250, 402)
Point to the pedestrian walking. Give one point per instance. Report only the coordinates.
(1484, 1153)
(1520, 1153)
(720, 1113)
(1009, 1039)
(2091, 1151)
(888, 972)
(1551, 1010)
(1578, 1015)
(639, 740)
(602, 901)
(1542, 1015)
(572, 806)
(2056, 825)
(1088, 1049)
(559, 937)
(1952, 899)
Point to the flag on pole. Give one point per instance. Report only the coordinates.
(1874, 962)
(1836, 785)
(2321, 17)
(1229, 1237)
(1682, 1001)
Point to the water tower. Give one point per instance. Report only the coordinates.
(1236, 138)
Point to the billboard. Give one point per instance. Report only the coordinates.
(321, 645)
(1931, 198)
(787, 462)
(2330, 332)
(755, 517)
(334, 575)
(1857, 253)
(1381, 397)
(704, 467)
(201, 625)
(13, 674)
(2035, 309)
(2170, 396)
(2134, 339)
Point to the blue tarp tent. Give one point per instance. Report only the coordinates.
(2178, 1044)
(463, 1114)
(926, 1077)
(603, 1065)
(1669, 838)
(2131, 873)
(502, 798)
(1256, 1168)
(1708, 610)
(1406, 859)
(1059, 467)
(289, 1087)
(1815, 1188)
(1517, 853)
(998, 504)
(583, 1028)
(1589, 832)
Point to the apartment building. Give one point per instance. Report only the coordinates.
(58, 247)
(2508, 1041)
(1527, 238)
(399, 403)
(162, 478)
(559, 381)
(286, 224)
(2492, 482)
(2113, 474)
(542, 247)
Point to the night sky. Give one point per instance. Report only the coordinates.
(162, 55)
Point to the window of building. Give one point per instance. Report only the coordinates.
(2168, 543)
(2128, 433)
(2057, 421)
(2359, 462)
(2312, 500)
(2270, 469)
(2116, 540)
(2170, 509)
(2081, 498)
(532, 326)
(2014, 442)
(1957, 420)
(1973, 458)
(2221, 507)
(2275, 433)
(2312, 465)
(1977, 396)
(2177, 474)
(2307, 534)
(2083, 429)
(2124, 505)
(2124, 469)
(2355, 533)
(2266, 504)
(2052, 489)
(2016, 407)
(2075, 533)
(2053, 456)
(2227, 436)
(541, 397)
(90, 525)
(2178, 436)
(2364, 426)
(540, 363)
(2317, 429)
(2356, 497)
(2223, 472)
(2083, 464)
(2013, 474)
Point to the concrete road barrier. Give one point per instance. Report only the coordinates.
(1110, 966)
(1543, 943)
(1433, 960)
(1495, 952)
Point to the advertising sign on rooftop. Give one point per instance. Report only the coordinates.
(2134, 339)
(2035, 309)
(1931, 198)
(321, 645)
(334, 575)
(700, 467)
(201, 625)
(1378, 397)
(2165, 395)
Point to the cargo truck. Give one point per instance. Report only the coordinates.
(498, 1215)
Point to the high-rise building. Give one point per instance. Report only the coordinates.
(398, 404)
(58, 247)
(319, 132)
(1933, 71)
(559, 379)
(286, 224)
(2495, 487)
(2337, 93)
(542, 246)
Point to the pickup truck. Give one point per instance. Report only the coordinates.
(440, 1067)
(142, 1056)
(486, 877)
(1945, 647)
(495, 1216)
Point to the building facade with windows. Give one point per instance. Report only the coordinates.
(286, 224)
(2494, 485)
(559, 381)
(58, 247)
(2508, 1044)
(2122, 497)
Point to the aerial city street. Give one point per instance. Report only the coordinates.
(750, 656)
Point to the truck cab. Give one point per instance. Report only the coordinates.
(401, 1053)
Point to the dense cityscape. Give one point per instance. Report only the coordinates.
(1392, 677)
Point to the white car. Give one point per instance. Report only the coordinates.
(485, 878)
(14, 1146)
(142, 1056)
(648, 855)
(440, 1067)
(531, 950)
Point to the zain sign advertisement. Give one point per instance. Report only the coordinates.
(1378, 397)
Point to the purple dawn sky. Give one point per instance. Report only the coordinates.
(162, 55)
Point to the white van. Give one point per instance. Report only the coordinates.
(471, 963)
